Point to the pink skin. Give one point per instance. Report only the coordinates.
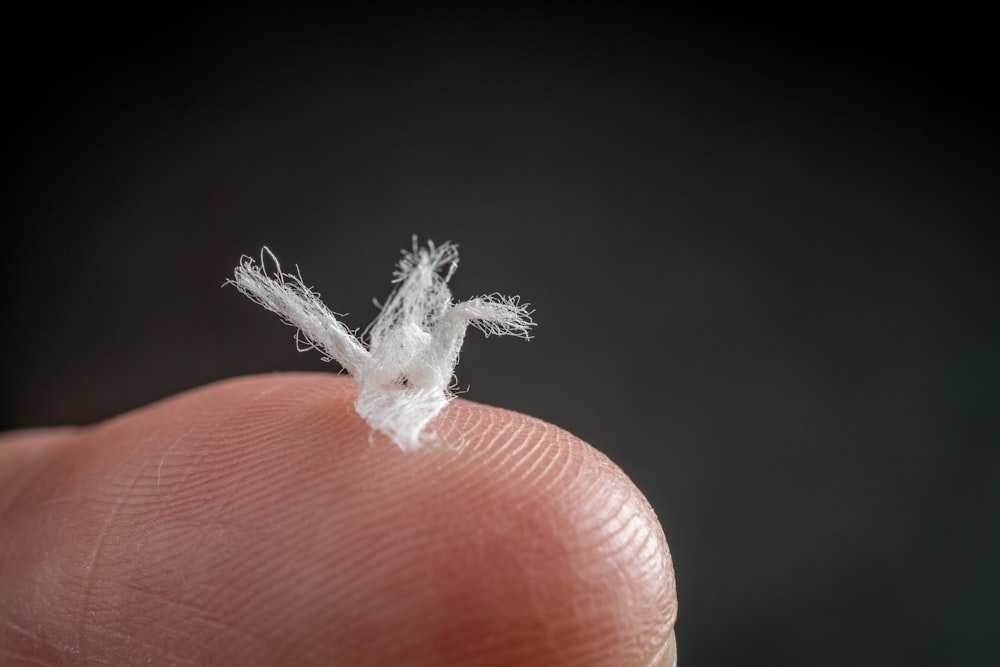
(257, 522)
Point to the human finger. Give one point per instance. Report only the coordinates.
(258, 521)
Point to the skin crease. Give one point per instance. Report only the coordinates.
(258, 521)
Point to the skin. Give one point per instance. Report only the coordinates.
(258, 521)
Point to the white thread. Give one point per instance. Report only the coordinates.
(405, 372)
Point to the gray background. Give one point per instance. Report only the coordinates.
(762, 260)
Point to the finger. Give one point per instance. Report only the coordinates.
(258, 522)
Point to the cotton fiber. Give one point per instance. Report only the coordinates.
(404, 362)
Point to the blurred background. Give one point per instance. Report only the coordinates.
(762, 257)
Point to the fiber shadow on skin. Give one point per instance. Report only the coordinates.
(256, 521)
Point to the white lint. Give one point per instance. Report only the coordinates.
(405, 369)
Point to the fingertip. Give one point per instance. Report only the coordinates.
(265, 506)
(584, 542)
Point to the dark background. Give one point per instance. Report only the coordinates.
(762, 256)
